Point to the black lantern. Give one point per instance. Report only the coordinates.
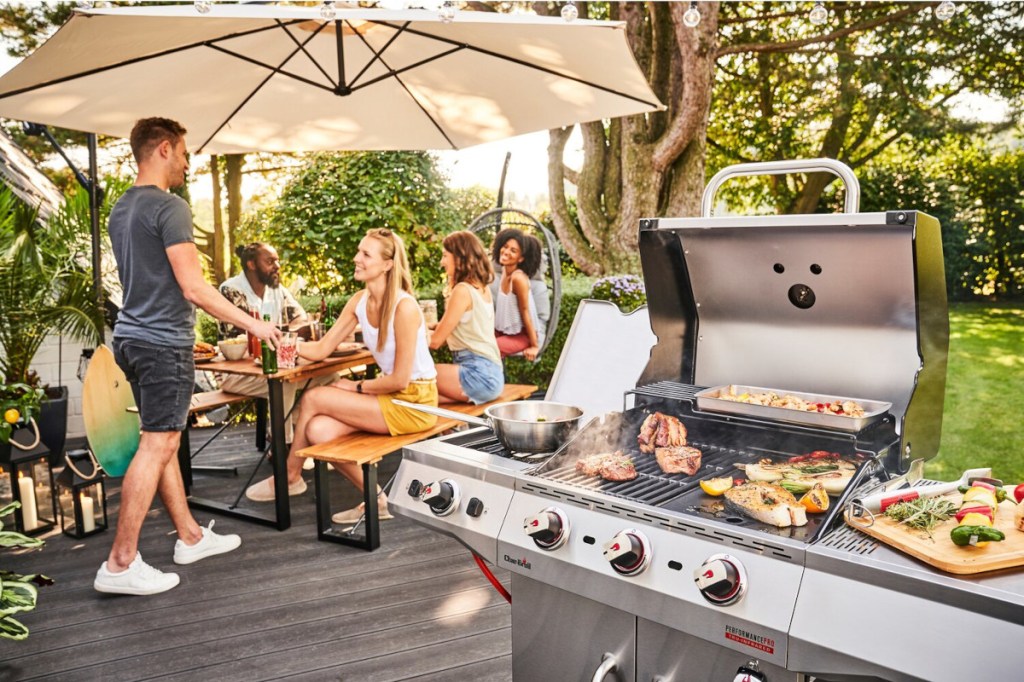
(30, 480)
(82, 495)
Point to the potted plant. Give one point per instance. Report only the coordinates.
(19, 406)
(17, 592)
(44, 288)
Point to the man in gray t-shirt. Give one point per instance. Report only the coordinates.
(157, 261)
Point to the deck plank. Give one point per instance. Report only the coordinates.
(283, 605)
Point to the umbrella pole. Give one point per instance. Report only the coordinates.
(94, 219)
(501, 185)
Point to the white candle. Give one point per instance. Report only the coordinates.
(88, 515)
(27, 488)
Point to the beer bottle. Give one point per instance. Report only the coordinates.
(269, 354)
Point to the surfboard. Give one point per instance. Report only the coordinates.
(112, 430)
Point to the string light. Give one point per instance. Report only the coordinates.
(202, 6)
(327, 12)
(691, 17)
(447, 12)
(818, 15)
(569, 11)
(945, 10)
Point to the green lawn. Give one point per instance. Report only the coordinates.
(982, 423)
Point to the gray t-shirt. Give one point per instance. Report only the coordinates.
(144, 222)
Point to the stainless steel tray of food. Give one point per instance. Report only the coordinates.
(781, 405)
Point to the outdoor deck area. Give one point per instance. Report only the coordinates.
(283, 606)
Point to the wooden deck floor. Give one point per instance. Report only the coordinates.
(283, 606)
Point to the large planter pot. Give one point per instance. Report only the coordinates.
(53, 422)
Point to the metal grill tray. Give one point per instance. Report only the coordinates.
(874, 410)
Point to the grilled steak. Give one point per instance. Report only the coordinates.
(618, 468)
(591, 464)
(680, 459)
(660, 430)
(766, 502)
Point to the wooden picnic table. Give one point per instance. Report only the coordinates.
(304, 371)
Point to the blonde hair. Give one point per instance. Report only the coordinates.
(398, 278)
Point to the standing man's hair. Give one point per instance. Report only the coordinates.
(148, 133)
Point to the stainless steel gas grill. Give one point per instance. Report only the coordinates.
(652, 578)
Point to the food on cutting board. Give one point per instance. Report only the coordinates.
(611, 466)
(766, 502)
(1018, 516)
(678, 459)
(845, 408)
(1018, 493)
(922, 513)
(716, 486)
(799, 474)
(660, 430)
(976, 516)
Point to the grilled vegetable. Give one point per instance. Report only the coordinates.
(716, 486)
(979, 536)
(999, 492)
(983, 509)
(816, 499)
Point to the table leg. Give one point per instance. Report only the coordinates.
(185, 460)
(279, 454)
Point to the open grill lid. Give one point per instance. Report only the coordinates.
(850, 304)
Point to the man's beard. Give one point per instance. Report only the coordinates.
(269, 280)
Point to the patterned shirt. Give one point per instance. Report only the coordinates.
(236, 292)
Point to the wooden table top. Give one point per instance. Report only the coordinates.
(305, 369)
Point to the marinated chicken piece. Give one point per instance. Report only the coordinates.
(680, 459)
(766, 502)
(618, 468)
(591, 464)
(660, 430)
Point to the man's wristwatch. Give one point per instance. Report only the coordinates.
(359, 387)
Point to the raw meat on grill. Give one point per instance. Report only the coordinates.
(660, 430)
(679, 459)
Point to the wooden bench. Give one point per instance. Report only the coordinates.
(366, 450)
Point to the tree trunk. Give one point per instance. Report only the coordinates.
(640, 166)
(233, 179)
(221, 266)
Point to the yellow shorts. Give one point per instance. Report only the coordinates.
(402, 420)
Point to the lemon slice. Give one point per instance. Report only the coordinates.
(716, 486)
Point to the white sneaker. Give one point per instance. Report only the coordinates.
(210, 544)
(264, 490)
(139, 578)
(308, 464)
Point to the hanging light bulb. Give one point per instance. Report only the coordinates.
(569, 11)
(203, 6)
(945, 10)
(691, 17)
(84, 4)
(447, 13)
(327, 12)
(818, 15)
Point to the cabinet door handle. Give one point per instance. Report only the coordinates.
(608, 664)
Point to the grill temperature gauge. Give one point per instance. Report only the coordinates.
(629, 552)
(721, 579)
(549, 529)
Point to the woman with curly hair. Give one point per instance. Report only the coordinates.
(468, 324)
(515, 317)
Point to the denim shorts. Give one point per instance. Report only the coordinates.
(482, 380)
(162, 378)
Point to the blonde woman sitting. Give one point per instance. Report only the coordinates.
(394, 331)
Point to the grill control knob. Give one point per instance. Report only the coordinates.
(721, 579)
(629, 552)
(475, 507)
(549, 529)
(441, 496)
(415, 488)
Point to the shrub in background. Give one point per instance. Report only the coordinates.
(625, 291)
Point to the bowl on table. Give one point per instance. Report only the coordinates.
(233, 349)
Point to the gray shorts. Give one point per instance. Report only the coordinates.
(162, 378)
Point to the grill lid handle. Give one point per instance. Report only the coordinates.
(838, 168)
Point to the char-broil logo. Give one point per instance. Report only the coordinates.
(759, 642)
(522, 563)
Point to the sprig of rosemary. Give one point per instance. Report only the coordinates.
(924, 513)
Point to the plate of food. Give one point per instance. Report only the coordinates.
(203, 352)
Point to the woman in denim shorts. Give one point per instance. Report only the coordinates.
(468, 325)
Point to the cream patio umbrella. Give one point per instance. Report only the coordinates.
(245, 78)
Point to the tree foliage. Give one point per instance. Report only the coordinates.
(327, 207)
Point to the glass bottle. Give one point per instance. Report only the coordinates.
(269, 354)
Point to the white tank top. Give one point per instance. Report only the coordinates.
(422, 363)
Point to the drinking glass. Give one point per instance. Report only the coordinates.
(287, 350)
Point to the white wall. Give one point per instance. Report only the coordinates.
(46, 365)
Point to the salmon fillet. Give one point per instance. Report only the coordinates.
(766, 502)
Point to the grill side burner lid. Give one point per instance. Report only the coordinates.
(850, 304)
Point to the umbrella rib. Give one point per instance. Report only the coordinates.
(377, 55)
(251, 94)
(396, 73)
(302, 46)
(521, 62)
(420, 105)
(136, 60)
(273, 69)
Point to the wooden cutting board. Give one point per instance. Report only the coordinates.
(940, 552)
